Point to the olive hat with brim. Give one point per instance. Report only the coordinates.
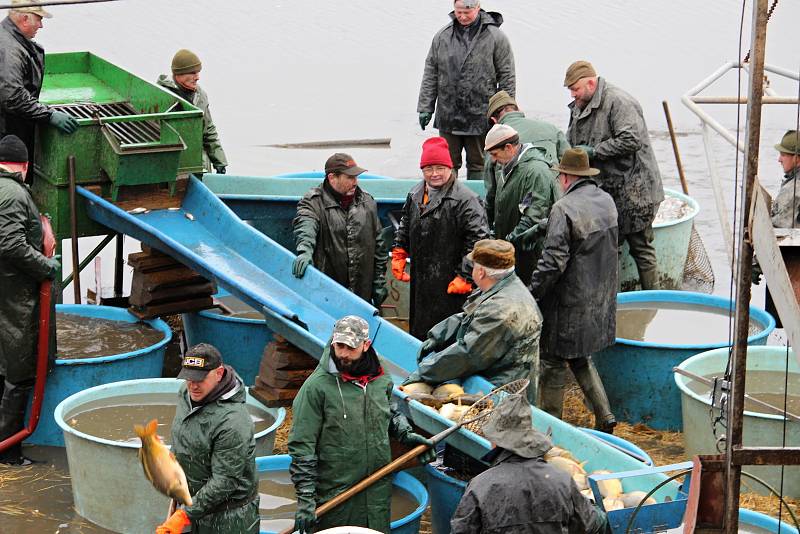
(790, 144)
(36, 10)
(510, 426)
(575, 161)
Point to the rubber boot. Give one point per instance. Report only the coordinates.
(12, 419)
(474, 175)
(551, 386)
(592, 386)
(649, 279)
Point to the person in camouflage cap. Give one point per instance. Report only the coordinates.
(521, 492)
(343, 418)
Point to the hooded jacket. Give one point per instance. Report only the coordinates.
(215, 445)
(22, 269)
(437, 237)
(346, 244)
(213, 154)
(576, 280)
(343, 429)
(462, 74)
(613, 123)
(786, 206)
(21, 74)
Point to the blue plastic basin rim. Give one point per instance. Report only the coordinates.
(112, 314)
(690, 297)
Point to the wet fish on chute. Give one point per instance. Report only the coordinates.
(160, 466)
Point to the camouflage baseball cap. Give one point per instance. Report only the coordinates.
(198, 361)
(351, 331)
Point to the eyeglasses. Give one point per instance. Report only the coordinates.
(435, 169)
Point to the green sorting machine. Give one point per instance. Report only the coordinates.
(131, 132)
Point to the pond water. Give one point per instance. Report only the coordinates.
(91, 337)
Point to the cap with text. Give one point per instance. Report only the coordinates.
(198, 361)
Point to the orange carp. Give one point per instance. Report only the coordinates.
(160, 466)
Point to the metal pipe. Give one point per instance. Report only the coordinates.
(716, 75)
(733, 471)
(73, 224)
(742, 100)
(675, 150)
(782, 72)
(52, 3)
(118, 263)
(712, 122)
(106, 240)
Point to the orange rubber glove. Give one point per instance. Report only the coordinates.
(459, 286)
(399, 256)
(175, 523)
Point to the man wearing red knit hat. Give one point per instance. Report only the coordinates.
(442, 220)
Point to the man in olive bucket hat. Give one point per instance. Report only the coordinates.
(786, 206)
(186, 68)
(521, 493)
(575, 285)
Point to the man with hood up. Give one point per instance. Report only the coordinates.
(213, 440)
(521, 493)
(470, 59)
(342, 421)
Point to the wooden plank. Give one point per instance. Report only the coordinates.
(293, 381)
(155, 280)
(151, 196)
(772, 264)
(184, 292)
(766, 456)
(144, 261)
(171, 308)
(273, 398)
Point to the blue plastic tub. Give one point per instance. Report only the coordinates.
(240, 340)
(638, 375)
(759, 520)
(618, 442)
(71, 376)
(108, 484)
(406, 525)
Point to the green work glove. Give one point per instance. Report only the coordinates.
(219, 169)
(301, 263)
(413, 439)
(410, 379)
(63, 122)
(424, 119)
(586, 148)
(428, 346)
(303, 471)
(55, 265)
(379, 292)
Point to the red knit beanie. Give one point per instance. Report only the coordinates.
(435, 152)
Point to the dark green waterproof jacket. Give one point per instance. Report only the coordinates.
(214, 444)
(519, 197)
(543, 135)
(496, 336)
(213, 154)
(346, 244)
(463, 70)
(21, 74)
(346, 429)
(22, 269)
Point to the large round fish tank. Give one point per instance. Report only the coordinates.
(108, 483)
(413, 487)
(671, 241)
(240, 340)
(760, 427)
(637, 375)
(73, 375)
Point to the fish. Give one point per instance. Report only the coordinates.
(571, 467)
(448, 391)
(189, 216)
(138, 211)
(160, 466)
(454, 411)
(612, 503)
(611, 488)
(632, 499)
(581, 481)
(558, 451)
(417, 387)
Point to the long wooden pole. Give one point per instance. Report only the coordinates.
(733, 471)
(73, 226)
(675, 150)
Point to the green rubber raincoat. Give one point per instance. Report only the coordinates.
(344, 430)
(213, 154)
(215, 445)
(518, 197)
(22, 268)
(496, 336)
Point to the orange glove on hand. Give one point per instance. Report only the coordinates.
(175, 523)
(459, 286)
(399, 256)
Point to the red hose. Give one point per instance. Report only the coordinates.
(42, 358)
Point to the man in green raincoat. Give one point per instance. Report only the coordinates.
(186, 67)
(213, 440)
(342, 421)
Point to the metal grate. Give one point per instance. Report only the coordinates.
(127, 133)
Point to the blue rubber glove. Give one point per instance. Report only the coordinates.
(63, 122)
(586, 148)
(424, 119)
